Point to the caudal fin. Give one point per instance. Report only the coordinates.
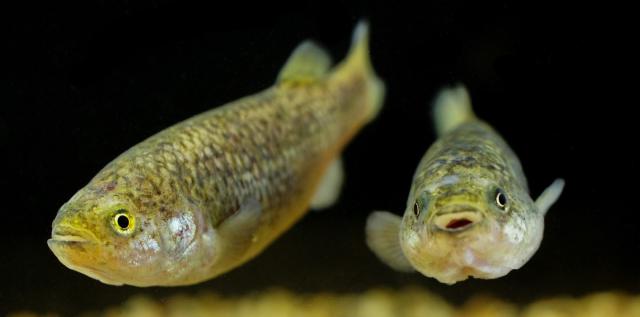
(451, 108)
(358, 61)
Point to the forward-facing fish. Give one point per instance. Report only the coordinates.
(469, 212)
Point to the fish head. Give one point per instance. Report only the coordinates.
(463, 226)
(128, 235)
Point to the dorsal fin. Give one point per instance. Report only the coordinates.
(308, 62)
(451, 108)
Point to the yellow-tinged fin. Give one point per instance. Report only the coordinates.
(549, 196)
(237, 232)
(451, 108)
(307, 63)
(383, 238)
(358, 62)
(329, 188)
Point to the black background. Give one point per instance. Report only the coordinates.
(85, 81)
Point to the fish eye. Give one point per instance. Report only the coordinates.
(123, 222)
(501, 199)
(421, 202)
(416, 209)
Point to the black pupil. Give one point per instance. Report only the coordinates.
(416, 208)
(123, 221)
(502, 200)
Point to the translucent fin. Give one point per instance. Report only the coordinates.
(358, 63)
(237, 232)
(451, 108)
(329, 189)
(308, 62)
(550, 195)
(383, 239)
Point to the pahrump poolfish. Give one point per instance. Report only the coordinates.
(469, 212)
(208, 194)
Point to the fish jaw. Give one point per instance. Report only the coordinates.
(80, 251)
(74, 249)
(468, 262)
(68, 254)
(482, 251)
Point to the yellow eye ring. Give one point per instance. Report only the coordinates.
(123, 222)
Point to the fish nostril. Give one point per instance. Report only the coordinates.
(458, 223)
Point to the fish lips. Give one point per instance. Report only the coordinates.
(72, 246)
(457, 218)
(475, 251)
(65, 236)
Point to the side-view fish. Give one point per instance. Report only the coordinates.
(207, 194)
(469, 212)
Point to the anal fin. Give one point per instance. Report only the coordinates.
(382, 231)
(329, 188)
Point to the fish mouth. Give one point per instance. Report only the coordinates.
(69, 246)
(458, 219)
(65, 235)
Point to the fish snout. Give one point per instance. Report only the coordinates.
(68, 235)
(457, 221)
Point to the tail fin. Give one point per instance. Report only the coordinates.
(358, 61)
(451, 108)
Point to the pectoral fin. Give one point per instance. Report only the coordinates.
(550, 195)
(329, 189)
(383, 239)
(238, 231)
